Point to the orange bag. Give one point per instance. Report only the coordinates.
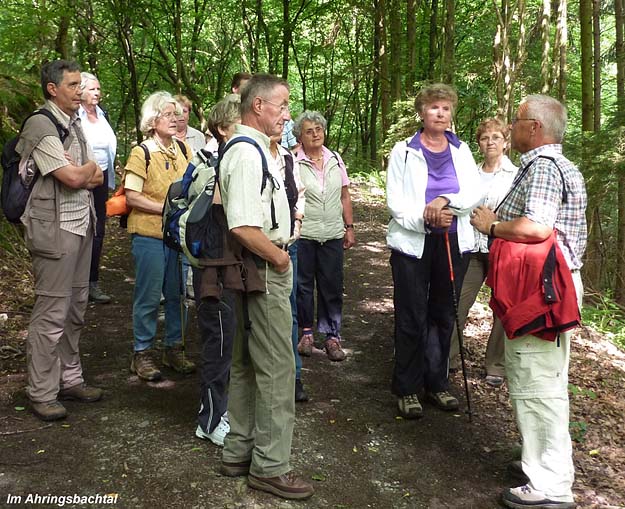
(116, 205)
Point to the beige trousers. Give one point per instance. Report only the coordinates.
(61, 292)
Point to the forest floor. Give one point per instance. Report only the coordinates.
(139, 443)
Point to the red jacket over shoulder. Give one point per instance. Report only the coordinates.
(533, 290)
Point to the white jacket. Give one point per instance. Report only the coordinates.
(406, 182)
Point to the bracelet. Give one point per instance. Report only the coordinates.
(349, 226)
(491, 232)
(299, 220)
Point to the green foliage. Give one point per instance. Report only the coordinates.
(606, 317)
(578, 430)
(577, 391)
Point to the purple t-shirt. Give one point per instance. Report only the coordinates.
(442, 178)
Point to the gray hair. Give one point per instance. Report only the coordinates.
(225, 113)
(550, 112)
(52, 72)
(259, 85)
(308, 116)
(87, 76)
(435, 92)
(152, 108)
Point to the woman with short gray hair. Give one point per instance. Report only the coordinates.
(156, 269)
(327, 230)
(103, 143)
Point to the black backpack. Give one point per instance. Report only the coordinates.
(15, 192)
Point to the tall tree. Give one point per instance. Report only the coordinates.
(585, 19)
(433, 46)
(545, 66)
(449, 54)
(619, 8)
(596, 43)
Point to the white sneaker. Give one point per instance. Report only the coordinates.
(217, 435)
(525, 496)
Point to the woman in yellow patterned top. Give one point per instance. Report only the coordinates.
(152, 166)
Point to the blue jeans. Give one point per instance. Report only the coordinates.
(157, 270)
(293, 300)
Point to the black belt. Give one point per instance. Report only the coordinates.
(281, 246)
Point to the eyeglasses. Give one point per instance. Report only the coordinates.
(516, 119)
(283, 107)
(494, 139)
(168, 115)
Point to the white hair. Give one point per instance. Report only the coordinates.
(153, 107)
(550, 112)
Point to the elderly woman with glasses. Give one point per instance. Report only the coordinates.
(497, 173)
(432, 187)
(152, 166)
(327, 230)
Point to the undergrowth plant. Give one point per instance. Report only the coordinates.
(607, 317)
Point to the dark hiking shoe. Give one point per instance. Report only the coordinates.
(525, 496)
(98, 296)
(305, 345)
(48, 410)
(515, 469)
(81, 392)
(235, 469)
(443, 400)
(300, 393)
(333, 350)
(286, 486)
(176, 359)
(409, 407)
(144, 366)
(495, 381)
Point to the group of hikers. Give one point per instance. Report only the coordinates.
(280, 221)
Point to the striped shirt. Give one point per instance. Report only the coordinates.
(49, 155)
(538, 196)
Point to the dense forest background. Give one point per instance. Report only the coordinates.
(359, 63)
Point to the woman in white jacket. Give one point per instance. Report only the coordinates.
(432, 186)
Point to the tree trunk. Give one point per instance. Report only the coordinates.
(385, 92)
(411, 44)
(585, 20)
(449, 55)
(596, 25)
(558, 74)
(375, 90)
(619, 7)
(395, 49)
(433, 53)
(545, 66)
(287, 35)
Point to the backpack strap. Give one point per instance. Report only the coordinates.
(183, 147)
(521, 175)
(146, 152)
(267, 176)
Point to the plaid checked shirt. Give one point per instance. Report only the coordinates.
(538, 196)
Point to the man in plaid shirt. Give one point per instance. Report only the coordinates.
(548, 195)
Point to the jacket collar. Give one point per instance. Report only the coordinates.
(415, 142)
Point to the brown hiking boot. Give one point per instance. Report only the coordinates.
(175, 358)
(81, 392)
(333, 350)
(285, 486)
(48, 410)
(235, 469)
(305, 345)
(144, 366)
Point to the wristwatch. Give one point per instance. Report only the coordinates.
(491, 232)
(349, 226)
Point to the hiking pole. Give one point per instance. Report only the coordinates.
(458, 328)
(183, 305)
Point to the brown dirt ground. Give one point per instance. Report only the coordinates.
(139, 443)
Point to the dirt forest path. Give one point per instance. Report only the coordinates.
(139, 442)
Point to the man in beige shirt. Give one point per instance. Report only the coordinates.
(58, 222)
(262, 377)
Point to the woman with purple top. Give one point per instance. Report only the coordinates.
(432, 186)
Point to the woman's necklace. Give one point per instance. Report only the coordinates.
(315, 159)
